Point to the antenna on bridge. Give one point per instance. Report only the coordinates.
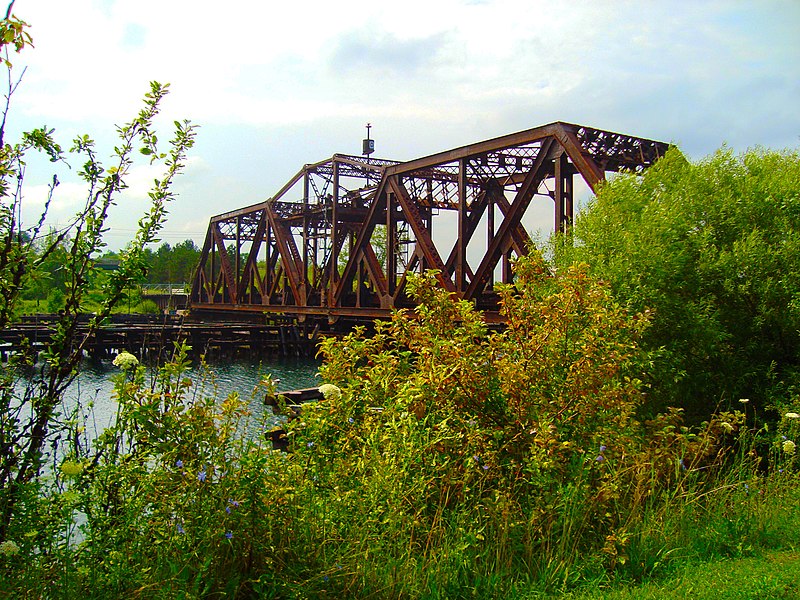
(369, 145)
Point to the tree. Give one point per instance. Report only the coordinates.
(714, 249)
(29, 419)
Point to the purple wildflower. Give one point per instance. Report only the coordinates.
(180, 529)
(229, 535)
(600, 458)
(201, 476)
(602, 449)
(485, 467)
(350, 420)
(179, 463)
(309, 444)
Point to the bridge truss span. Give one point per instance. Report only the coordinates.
(340, 239)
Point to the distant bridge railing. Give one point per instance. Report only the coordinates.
(158, 289)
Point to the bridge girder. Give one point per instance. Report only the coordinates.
(342, 236)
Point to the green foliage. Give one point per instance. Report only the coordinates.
(31, 418)
(713, 249)
(445, 461)
(471, 456)
(165, 495)
(174, 264)
(13, 32)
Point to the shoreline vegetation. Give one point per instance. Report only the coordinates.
(481, 476)
(631, 433)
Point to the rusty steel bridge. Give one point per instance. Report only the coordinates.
(339, 240)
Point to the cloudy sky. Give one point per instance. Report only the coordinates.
(276, 85)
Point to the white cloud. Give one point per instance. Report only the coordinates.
(275, 84)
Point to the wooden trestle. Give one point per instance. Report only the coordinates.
(154, 337)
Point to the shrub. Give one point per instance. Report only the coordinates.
(446, 436)
(713, 249)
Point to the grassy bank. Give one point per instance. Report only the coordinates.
(771, 575)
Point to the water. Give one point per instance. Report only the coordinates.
(94, 384)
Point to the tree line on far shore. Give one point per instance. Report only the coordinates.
(45, 290)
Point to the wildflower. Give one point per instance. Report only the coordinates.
(201, 476)
(125, 360)
(476, 457)
(727, 427)
(325, 579)
(683, 465)
(792, 415)
(180, 529)
(788, 447)
(179, 463)
(744, 400)
(309, 444)
(350, 420)
(229, 535)
(600, 457)
(71, 468)
(485, 467)
(330, 391)
(9, 548)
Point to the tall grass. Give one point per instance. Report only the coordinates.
(444, 462)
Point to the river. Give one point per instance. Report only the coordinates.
(94, 384)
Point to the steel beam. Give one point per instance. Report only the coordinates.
(334, 206)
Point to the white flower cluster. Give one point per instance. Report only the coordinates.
(8, 548)
(330, 391)
(125, 360)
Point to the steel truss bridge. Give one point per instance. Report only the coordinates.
(339, 240)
